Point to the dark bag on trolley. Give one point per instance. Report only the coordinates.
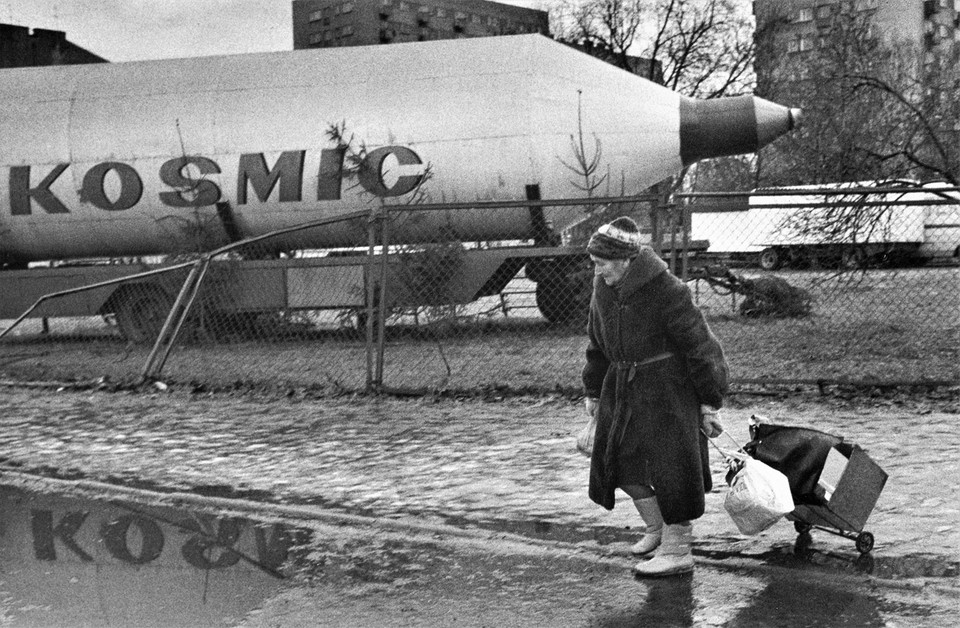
(797, 452)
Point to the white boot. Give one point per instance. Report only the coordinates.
(673, 557)
(650, 513)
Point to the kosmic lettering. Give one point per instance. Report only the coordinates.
(188, 181)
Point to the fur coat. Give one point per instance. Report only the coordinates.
(652, 408)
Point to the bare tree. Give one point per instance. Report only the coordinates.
(586, 160)
(706, 47)
(873, 110)
(700, 48)
(607, 29)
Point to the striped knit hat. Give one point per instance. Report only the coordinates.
(619, 239)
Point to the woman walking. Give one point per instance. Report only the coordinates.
(654, 376)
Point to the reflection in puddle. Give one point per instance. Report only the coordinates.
(71, 561)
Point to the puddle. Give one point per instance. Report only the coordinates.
(73, 561)
(805, 552)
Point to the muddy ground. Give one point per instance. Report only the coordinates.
(489, 465)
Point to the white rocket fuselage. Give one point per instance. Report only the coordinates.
(131, 158)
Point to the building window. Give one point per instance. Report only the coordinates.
(423, 15)
(346, 31)
(441, 12)
(793, 45)
(806, 43)
(824, 11)
(316, 38)
(315, 16)
(805, 15)
(347, 7)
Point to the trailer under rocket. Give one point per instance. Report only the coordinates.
(109, 160)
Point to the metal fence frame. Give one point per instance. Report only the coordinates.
(677, 206)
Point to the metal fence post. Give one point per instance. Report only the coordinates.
(174, 321)
(384, 217)
(685, 239)
(371, 295)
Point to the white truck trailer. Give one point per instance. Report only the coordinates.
(843, 224)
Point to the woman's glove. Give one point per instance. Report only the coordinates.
(710, 421)
(585, 437)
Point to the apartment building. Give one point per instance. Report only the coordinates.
(798, 27)
(21, 46)
(323, 23)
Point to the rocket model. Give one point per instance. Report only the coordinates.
(120, 159)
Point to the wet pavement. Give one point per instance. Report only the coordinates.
(500, 469)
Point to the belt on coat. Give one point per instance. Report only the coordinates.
(626, 370)
(631, 367)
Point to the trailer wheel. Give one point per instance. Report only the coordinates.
(864, 542)
(564, 296)
(770, 259)
(853, 257)
(140, 311)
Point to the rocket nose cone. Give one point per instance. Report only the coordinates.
(796, 117)
(773, 120)
(730, 126)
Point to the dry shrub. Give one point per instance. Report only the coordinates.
(775, 297)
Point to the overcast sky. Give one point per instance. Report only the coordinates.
(131, 30)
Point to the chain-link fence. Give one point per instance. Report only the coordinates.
(858, 285)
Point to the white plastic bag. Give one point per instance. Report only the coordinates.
(585, 438)
(759, 496)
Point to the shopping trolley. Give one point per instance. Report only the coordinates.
(835, 484)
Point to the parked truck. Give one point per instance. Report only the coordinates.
(144, 160)
(842, 225)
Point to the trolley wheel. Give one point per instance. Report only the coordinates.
(864, 542)
(802, 527)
